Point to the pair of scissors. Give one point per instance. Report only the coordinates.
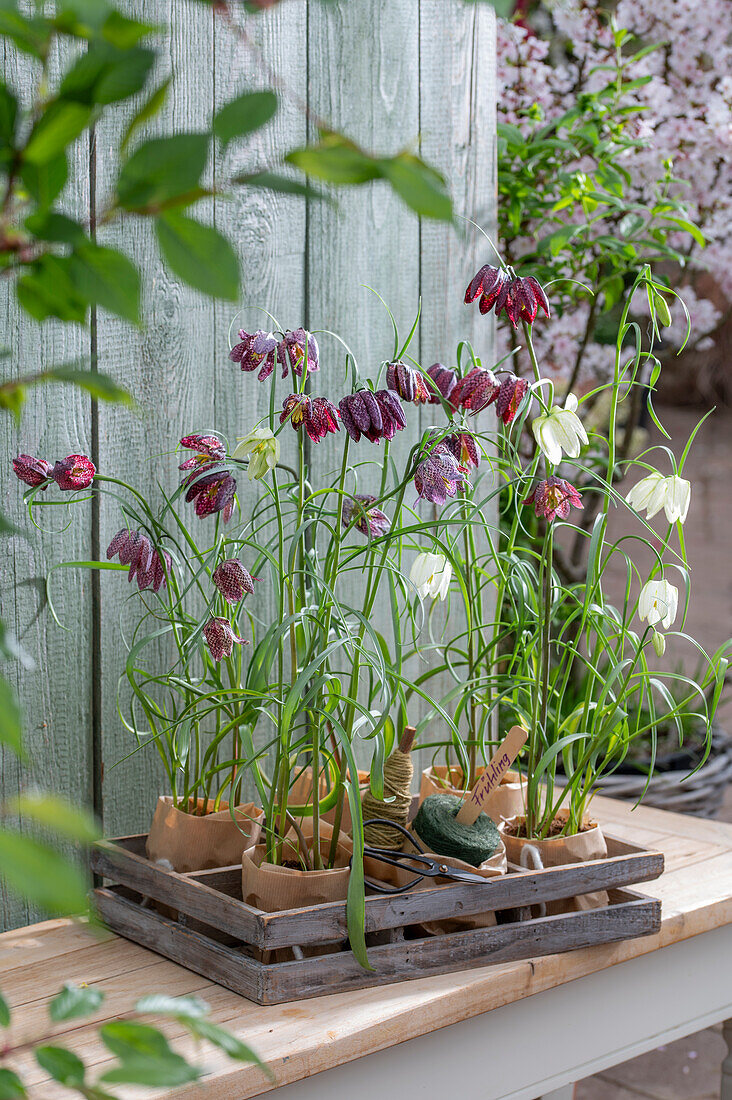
(418, 862)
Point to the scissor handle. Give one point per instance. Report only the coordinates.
(400, 829)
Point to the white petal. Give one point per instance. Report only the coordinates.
(571, 402)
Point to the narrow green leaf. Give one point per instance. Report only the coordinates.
(74, 1001)
(61, 123)
(8, 115)
(227, 1042)
(336, 160)
(248, 112)
(11, 729)
(162, 169)
(51, 225)
(199, 254)
(36, 872)
(283, 184)
(693, 230)
(61, 1064)
(107, 278)
(11, 1086)
(149, 109)
(45, 182)
(419, 186)
(49, 291)
(184, 1008)
(56, 813)
(100, 386)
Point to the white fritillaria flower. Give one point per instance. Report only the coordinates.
(560, 430)
(655, 492)
(658, 603)
(431, 575)
(263, 449)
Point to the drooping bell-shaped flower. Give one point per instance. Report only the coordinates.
(220, 636)
(463, 446)
(445, 381)
(233, 581)
(476, 391)
(35, 472)
(209, 449)
(212, 492)
(262, 447)
(148, 565)
(521, 298)
(408, 382)
(560, 431)
(658, 603)
(554, 497)
(256, 351)
(489, 283)
(296, 349)
(510, 395)
(438, 475)
(375, 415)
(431, 575)
(74, 472)
(317, 415)
(655, 492)
(369, 521)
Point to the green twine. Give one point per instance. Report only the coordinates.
(438, 830)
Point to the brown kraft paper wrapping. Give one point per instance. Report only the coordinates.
(556, 851)
(272, 888)
(197, 842)
(301, 794)
(506, 801)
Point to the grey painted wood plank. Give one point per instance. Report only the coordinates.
(55, 693)
(169, 368)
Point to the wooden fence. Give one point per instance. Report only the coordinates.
(391, 74)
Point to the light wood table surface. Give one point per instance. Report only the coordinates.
(515, 1030)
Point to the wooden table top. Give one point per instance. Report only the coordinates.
(302, 1038)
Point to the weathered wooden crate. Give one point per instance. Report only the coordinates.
(298, 953)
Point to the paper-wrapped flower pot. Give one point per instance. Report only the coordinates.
(204, 839)
(272, 888)
(556, 851)
(301, 794)
(507, 800)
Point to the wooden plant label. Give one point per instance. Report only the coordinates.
(500, 762)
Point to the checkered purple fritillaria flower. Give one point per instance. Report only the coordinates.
(408, 382)
(369, 521)
(150, 567)
(375, 415)
(438, 476)
(554, 497)
(74, 472)
(317, 415)
(233, 581)
(521, 298)
(476, 391)
(212, 491)
(35, 472)
(463, 447)
(292, 349)
(256, 351)
(511, 394)
(220, 637)
(445, 381)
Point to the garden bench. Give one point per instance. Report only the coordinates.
(516, 1030)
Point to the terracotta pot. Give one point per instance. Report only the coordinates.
(556, 851)
(506, 801)
(201, 840)
(272, 888)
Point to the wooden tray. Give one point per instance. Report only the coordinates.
(218, 935)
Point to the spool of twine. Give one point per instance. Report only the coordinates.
(398, 772)
(440, 832)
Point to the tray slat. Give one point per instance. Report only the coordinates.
(211, 896)
(630, 915)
